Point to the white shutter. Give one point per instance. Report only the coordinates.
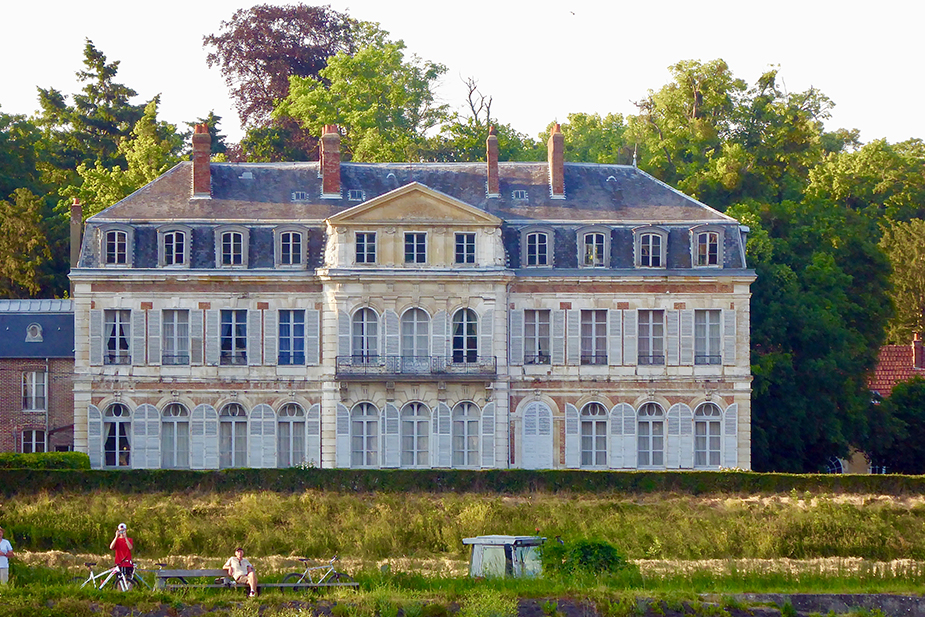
(271, 337)
(517, 337)
(154, 337)
(203, 430)
(487, 444)
(213, 348)
(392, 333)
(537, 437)
(439, 343)
(615, 337)
(391, 436)
(671, 351)
(254, 337)
(629, 437)
(96, 337)
(687, 338)
(261, 439)
(195, 336)
(343, 334)
(731, 436)
(630, 353)
(342, 438)
(616, 435)
(146, 434)
(312, 337)
(486, 334)
(313, 435)
(444, 424)
(574, 337)
(572, 437)
(95, 436)
(211, 438)
(729, 337)
(687, 436)
(673, 438)
(138, 337)
(557, 344)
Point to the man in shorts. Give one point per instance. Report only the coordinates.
(6, 551)
(241, 571)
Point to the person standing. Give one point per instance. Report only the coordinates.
(241, 571)
(6, 551)
(123, 545)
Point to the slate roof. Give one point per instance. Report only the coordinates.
(54, 317)
(894, 365)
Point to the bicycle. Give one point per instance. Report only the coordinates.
(114, 574)
(318, 575)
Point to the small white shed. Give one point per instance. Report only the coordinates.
(517, 556)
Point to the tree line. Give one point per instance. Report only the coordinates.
(837, 234)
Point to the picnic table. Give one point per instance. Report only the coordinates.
(181, 579)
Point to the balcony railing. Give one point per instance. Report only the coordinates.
(421, 366)
(651, 360)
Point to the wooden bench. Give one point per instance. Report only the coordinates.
(163, 577)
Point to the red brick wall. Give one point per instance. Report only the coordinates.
(58, 421)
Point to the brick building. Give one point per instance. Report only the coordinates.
(36, 369)
(464, 315)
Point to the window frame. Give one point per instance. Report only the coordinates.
(418, 248)
(162, 233)
(464, 248)
(465, 342)
(181, 355)
(368, 255)
(712, 335)
(293, 338)
(709, 445)
(220, 233)
(707, 230)
(237, 422)
(650, 419)
(284, 417)
(583, 234)
(367, 455)
(654, 356)
(418, 456)
(32, 441)
(462, 418)
(123, 430)
(32, 401)
(364, 336)
(593, 416)
(593, 337)
(122, 319)
(279, 235)
(414, 326)
(640, 234)
(175, 420)
(537, 344)
(548, 256)
(232, 356)
(128, 250)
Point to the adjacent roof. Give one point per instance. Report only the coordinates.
(500, 540)
(36, 306)
(894, 364)
(36, 329)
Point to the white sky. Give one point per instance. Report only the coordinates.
(539, 60)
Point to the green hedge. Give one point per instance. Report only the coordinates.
(512, 481)
(44, 460)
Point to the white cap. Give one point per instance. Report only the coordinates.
(122, 527)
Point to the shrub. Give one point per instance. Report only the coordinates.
(585, 556)
(44, 460)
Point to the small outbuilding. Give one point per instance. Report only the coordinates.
(517, 556)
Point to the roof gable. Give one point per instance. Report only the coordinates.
(414, 204)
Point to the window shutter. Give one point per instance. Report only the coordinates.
(616, 435)
(195, 336)
(444, 454)
(731, 436)
(557, 344)
(154, 337)
(392, 333)
(213, 348)
(574, 337)
(537, 437)
(312, 337)
(261, 441)
(270, 336)
(486, 334)
(673, 438)
(687, 437)
(687, 338)
(517, 337)
(138, 337)
(342, 437)
(729, 337)
(615, 337)
(343, 334)
(313, 436)
(197, 439)
(211, 437)
(96, 337)
(269, 437)
(488, 436)
(146, 435)
(95, 436)
(254, 337)
(440, 336)
(672, 343)
(630, 353)
(391, 436)
(629, 437)
(572, 437)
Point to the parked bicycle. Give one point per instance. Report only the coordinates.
(318, 575)
(113, 575)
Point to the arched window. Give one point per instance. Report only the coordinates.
(415, 429)
(364, 436)
(232, 436)
(175, 437)
(707, 435)
(290, 435)
(415, 337)
(650, 433)
(117, 425)
(465, 435)
(465, 336)
(232, 249)
(365, 336)
(115, 248)
(593, 435)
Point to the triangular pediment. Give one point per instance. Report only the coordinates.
(414, 204)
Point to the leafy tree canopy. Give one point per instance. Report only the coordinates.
(904, 245)
(24, 249)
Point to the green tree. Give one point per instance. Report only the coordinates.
(19, 161)
(590, 138)
(904, 245)
(24, 246)
(905, 407)
(219, 145)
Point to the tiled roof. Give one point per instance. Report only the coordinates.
(893, 366)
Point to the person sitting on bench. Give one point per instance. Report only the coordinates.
(241, 571)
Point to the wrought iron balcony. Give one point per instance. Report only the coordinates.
(457, 366)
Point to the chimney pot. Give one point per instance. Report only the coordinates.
(491, 146)
(918, 351)
(556, 157)
(330, 161)
(202, 171)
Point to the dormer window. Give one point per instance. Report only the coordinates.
(116, 247)
(651, 245)
(290, 247)
(299, 196)
(173, 247)
(707, 248)
(519, 194)
(535, 247)
(231, 248)
(355, 195)
(594, 247)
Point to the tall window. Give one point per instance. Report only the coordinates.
(651, 337)
(292, 337)
(175, 337)
(33, 441)
(232, 249)
(593, 249)
(116, 247)
(537, 249)
(290, 248)
(707, 249)
(366, 247)
(594, 337)
(290, 435)
(465, 336)
(415, 248)
(465, 248)
(707, 435)
(415, 334)
(232, 436)
(706, 337)
(174, 248)
(650, 251)
(364, 436)
(536, 336)
(650, 433)
(175, 437)
(234, 336)
(118, 331)
(34, 390)
(365, 336)
(415, 429)
(465, 435)
(117, 426)
(593, 435)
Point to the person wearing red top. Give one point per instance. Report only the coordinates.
(123, 546)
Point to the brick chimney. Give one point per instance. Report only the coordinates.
(330, 161)
(491, 147)
(77, 225)
(918, 351)
(556, 157)
(202, 171)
